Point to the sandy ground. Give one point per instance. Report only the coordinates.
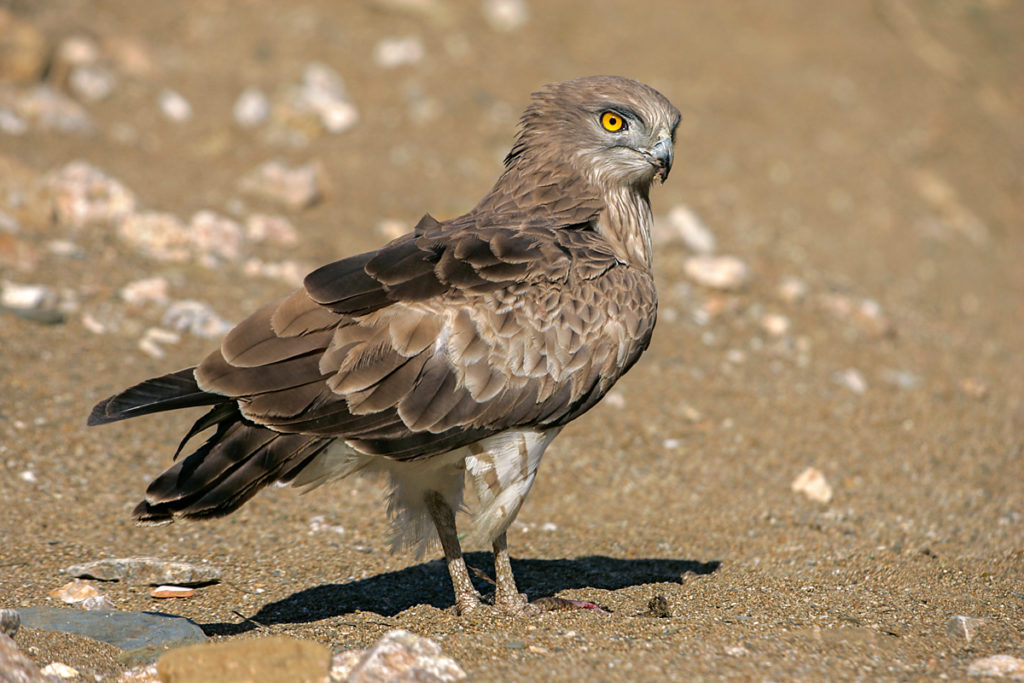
(873, 151)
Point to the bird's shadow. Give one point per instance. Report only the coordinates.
(428, 583)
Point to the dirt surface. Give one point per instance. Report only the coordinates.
(873, 151)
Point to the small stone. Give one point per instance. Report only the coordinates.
(963, 628)
(51, 109)
(145, 291)
(391, 53)
(10, 620)
(401, 655)
(317, 523)
(775, 324)
(159, 236)
(82, 195)
(59, 670)
(998, 666)
(275, 230)
(391, 229)
(210, 233)
(973, 387)
(274, 658)
(320, 103)
(140, 674)
(901, 378)
(92, 82)
(29, 477)
(295, 188)
(172, 592)
(682, 224)
(716, 272)
(792, 289)
(864, 314)
(174, 106)
(146, 570)
(506, 15)
(153, 338)
(196, 318)
(97, 602)
(77, 50)
(291, 272)
(812, 483)
(23, 50)
(658, 607)
(252, 108)
(15, 295)
(852, 379)
(75, 591)
(736, 650)
(614, 399)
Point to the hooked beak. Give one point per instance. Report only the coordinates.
(660, 156)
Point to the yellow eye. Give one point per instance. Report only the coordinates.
(612, 122)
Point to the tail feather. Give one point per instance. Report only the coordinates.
(238, 460)
(169, 392)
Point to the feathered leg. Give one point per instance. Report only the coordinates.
(466, 597)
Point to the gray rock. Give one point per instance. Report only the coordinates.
(404, 656)
(15, 667)
(151, 571)
(10, 620)
(142, 635)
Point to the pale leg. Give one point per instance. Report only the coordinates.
(466, 597)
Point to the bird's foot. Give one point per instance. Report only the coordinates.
(466, 605)
(515, 604)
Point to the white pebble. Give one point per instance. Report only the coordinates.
(812, 483)
(161, 236)
(506, 15)
(295, 187)
(391, 229)
(174, 106)
(323, 91)
(91, 82)
(59, 670)
(147, 290)
(25, 296)
(683, 224)
(852, 379)
(391, 53)
(999, 666)
(614, 399)
(276, 230)
(775, 324)
(211, 233)
(716, 272)
(28, 476)
(195, 318)
(252, 108)
(792, 289)
(152, 339)
(82, 194)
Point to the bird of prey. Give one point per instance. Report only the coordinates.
(454, 353)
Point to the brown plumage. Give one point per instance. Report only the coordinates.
(460, 348)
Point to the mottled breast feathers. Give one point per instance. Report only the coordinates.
(440, 338)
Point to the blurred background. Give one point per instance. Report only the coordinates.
(834, 395)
